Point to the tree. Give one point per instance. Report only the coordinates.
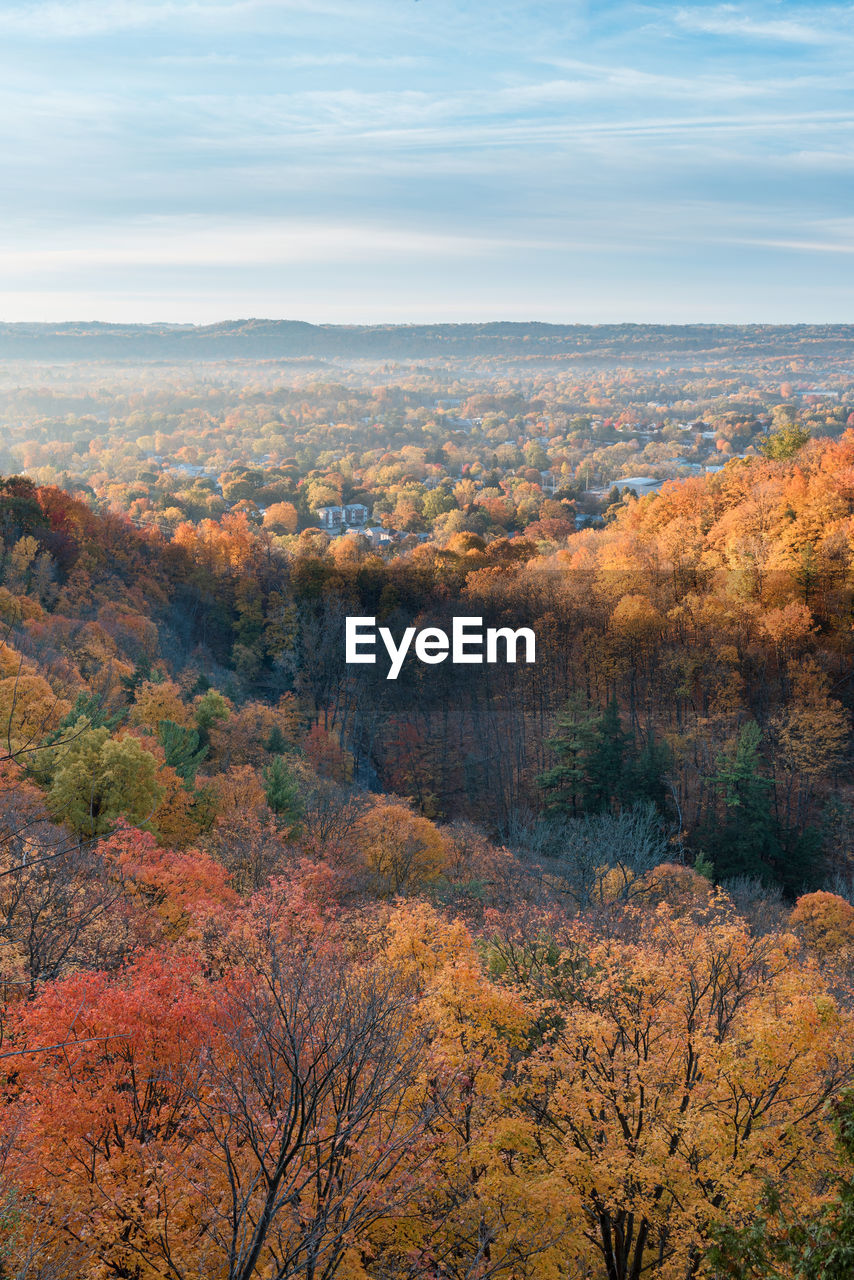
(812, 729)
(677, 1071)
(92, 707)
(141, 675)
(164, 893)
(826, 923)
(746, 842)
(115, 1089)
(606, 760)
(403, 850)
(154, 702)
(182, 749)
(243, 737)
(781, 1242)
(596, 766)
(480, 1210)
(245, 836)
(281, 517)
(604, 857)
(31, 714)
(787, 440)
(256, 1124)
(209, 709)
(98, 779)
(310, 1129)
(275, 743)
(645, 774)
(59, 907)
(282, 793)
(573, 742)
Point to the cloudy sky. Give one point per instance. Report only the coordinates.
(406, 160)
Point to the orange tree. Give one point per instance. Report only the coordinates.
(170, 1124)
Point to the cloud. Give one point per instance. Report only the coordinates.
(729, 20)
(227, 148)
(198, 242)
(799, 246)
(296, 61)
(81, 19)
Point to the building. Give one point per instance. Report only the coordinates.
(338, 519)
(355, 515)
(640, 484)
(330, 518)
(379, 537)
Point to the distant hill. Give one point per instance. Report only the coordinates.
(289, 339)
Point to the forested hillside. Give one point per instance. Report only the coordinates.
(702, 631)
(278, 339)
(512, 970)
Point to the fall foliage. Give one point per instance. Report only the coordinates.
(533, 972)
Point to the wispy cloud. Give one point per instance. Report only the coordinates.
(52, 19)
(798, 246)
(205, 242)
(371, 153)
(312, 61)
(827, 26)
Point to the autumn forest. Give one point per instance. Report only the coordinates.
(533, 971)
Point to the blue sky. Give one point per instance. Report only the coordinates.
(409, 160)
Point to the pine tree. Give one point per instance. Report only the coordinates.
(597, 768)
(275, 742)
(183, 751)
(572, 742)
(141, 674)
(281, 791)
(747, 842)
(645, 774)
(606, 761)
(92, 707)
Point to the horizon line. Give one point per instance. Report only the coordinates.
(415, 324)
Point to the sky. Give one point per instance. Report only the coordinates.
(370, 161)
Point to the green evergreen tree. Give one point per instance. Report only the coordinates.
(606, 762)
(597, 767)
(91, 706)
(807, 573)
(747, 842)
(275, 743)
(281, 790)
(572, 742)
(87, 713)
(140, 675)
(182, 749)
(645, 774)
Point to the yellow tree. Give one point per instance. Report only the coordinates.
(402, 849)
(29, 707)
(483, 1208)
(812, 729)
(679, 1068)
(826, 923)
(159, 701)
